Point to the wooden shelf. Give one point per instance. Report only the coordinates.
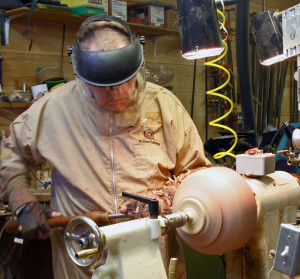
(64, 17)
(42, 195)
(14, 105)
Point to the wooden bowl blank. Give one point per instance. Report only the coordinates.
(221, 208)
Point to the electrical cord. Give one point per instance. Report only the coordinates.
(11, 112)
(221, 267)
(23, 262)
(1, 232)
(5, 261)
(213, 92)
(269, 273)
(8, 267)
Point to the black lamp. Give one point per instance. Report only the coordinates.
(199, 28)
(268, 36)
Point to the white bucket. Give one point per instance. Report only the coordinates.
(39, 90)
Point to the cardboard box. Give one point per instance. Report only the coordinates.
(171, 19)
(118, 8)
(153, 15)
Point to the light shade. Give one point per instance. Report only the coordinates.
(199, 29)
(268, 36)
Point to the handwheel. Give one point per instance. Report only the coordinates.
(84, 241)
(221, 210)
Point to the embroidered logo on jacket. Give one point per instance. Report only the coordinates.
(149, 135)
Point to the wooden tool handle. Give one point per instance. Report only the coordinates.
(97, 216)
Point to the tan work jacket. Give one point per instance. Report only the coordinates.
(93, 164)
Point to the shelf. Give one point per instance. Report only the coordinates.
(14, 105)
(64, 17)
(42, 195)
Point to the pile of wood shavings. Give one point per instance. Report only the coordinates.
(170, 187)
(173, 184)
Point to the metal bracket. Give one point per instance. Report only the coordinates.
(7, 26)
(154, 43)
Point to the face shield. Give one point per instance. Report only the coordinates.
(112, 81)
(120, 105)
(107, 68)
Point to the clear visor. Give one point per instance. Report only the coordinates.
(118, 106)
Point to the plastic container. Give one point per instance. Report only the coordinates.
(86, 10)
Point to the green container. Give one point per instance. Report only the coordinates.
(200, 266)
(86, 10)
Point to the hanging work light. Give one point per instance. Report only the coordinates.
(199, 29)
(268, 36)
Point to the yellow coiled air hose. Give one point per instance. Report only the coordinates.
(213, 92)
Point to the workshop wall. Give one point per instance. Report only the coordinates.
(49, 49)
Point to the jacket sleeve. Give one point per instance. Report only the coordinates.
(185, 140)
(16, 164)
(190, 155)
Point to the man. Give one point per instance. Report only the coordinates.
(104, 133)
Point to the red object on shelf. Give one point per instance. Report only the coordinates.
(138, 20)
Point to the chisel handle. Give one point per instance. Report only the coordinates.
(98, 217)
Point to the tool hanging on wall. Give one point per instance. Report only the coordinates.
(193, 92)
(257, 81)
(268, 86)
(272, 88)
(255, 64)
(2, 35)
(258, 88)
(265, 97)
(33, 5)
(270, 94)
(294, 100)
(229, 55)
(243, 69)
(284, 67)
(1, 82)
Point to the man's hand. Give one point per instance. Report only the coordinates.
(136, 209)
(32, 221)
